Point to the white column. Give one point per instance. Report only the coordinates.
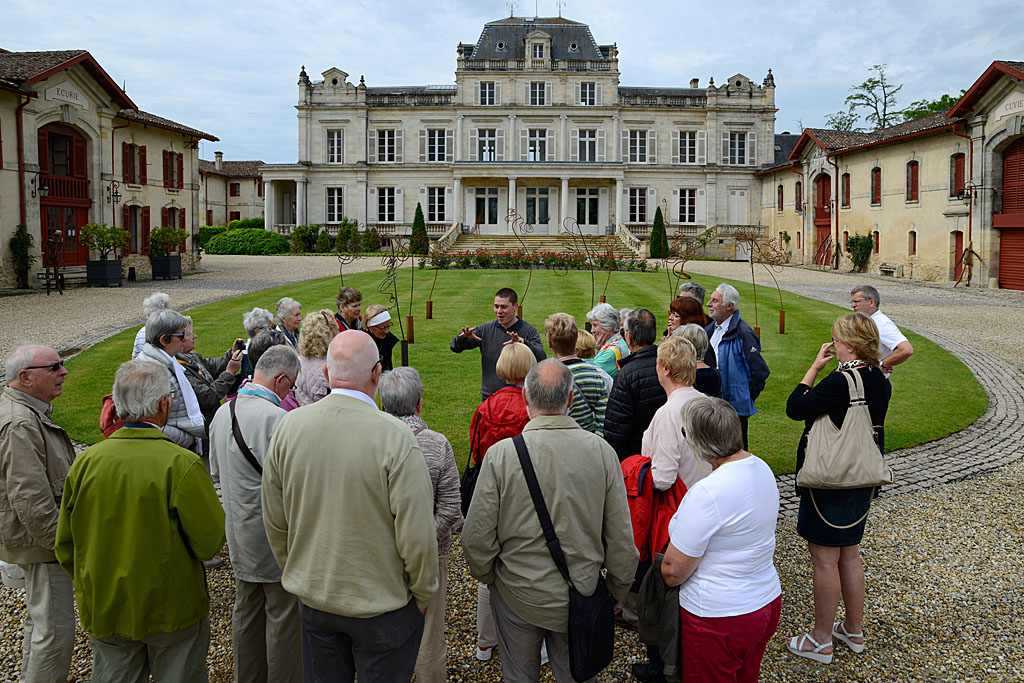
(564, 197)
(458, 139)
(618, 203)
(458, 200)
(563, 144)
(268, 206)
(300, 201)
(511, 199)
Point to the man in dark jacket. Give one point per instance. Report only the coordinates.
(738, 350)
(636, 393)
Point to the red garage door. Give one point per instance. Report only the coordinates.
(1011, 222)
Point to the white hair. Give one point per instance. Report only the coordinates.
(257, 319)
(279, 359)
(547, 390)
(606, 316)
(400, 391)
(163, 322)
(20, 358)
(154, 303)
(138, 387)
(729, 295)
(285, 306)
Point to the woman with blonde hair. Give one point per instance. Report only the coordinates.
(318, 329)
(832, 521)
(377, 323)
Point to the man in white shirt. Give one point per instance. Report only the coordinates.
(893, 347)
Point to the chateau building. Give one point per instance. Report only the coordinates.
(941, 196)
(231, 190)
(536, 122)
(75, 149)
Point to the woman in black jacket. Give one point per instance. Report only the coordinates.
(835, 544)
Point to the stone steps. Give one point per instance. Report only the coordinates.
(595, 244)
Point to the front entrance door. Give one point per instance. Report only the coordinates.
(485, 215)
(737, 207)
(538, 210)
(823, 248)
(588, 210)
(63, 166)
(69, 220)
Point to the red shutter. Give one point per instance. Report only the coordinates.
(912, 176)
(145, 231)
(259, 186)
(181, 171)
(78, 161)
(126, 162)
(142, 165)
(1013, 179)
(163, 217)
(167, 169)
(846, 189)
(43, 139)
(209, 216)
(126, 216)
(181, 220)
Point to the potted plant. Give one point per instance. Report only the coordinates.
(21, 249)
(166, 262)
(106, 239)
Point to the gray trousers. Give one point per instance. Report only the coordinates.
(176, 657)
(430, 664)
(266, 634)
(49, 636)
(520, 642)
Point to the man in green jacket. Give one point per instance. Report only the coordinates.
(138, 517)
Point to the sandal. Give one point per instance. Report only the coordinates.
(795, 644)
(839, 631)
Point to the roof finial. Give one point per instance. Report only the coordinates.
(511, 8)
(560, 4)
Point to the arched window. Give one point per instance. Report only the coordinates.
(846, 190)
(912, 243)
(876, 186)
(913, 174)
(956, 174)
(780, 202)
(846, 238)
(875, 236)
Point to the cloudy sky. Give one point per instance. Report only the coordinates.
(230, 68)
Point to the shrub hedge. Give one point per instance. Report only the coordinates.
(248, 241)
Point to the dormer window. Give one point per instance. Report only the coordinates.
(538, 51)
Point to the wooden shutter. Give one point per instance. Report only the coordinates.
(674, 148)
(912, 180)
(142, 175)
(524, 144)
(371, 146)
(597, 96)
(423, 145)
(476, 92)
(449, 209)
(181, 170)
(652, 146)
(725, 149)
(702, 207)
(399, 145)
(181, 224)
(578, 95)
(79, 159)
(499, 144)
(547, 93)
(126, 222)
(956, 181)
(449, 144)
(497, 93)
(751, 149)
(702, 147)
(673, 206)
(126, 162)
(574, 144)
(474, 147)
(163, 216)
(624, 157)
(1013, 179)
(399, 205)
(601, 145)
(528, 101)
(167, 170)
(552, 146)
(1011, 258)
(144, 230)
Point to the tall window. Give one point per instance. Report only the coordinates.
(537, 91)
(259, 187)
(335, 155)
(588, 145)
(845, 196)
(688, 205)
(537, 199)
(536, 145)
(132, 226)
(174, 169)
(779, 203)
(638, 146)
(912, 243)
(538, 51)
(798, 196)
(638, 205)
(436, 144)
(877, 239)
(386, 204)
(234, 215)
(335, 204)
(235, 189)
(487, 144)
(876, 186)
(133, 161)
(688, 147)
(487, 93)
(913, 174)
(587, 205)
(487, 205)
(588, 94)
(737, 149)
(956, 174)
(386, 145)
(435, 205)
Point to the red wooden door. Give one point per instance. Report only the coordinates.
(63, 164)
(822, 199)
(958, 252)
(1011, 222)
(823, 254)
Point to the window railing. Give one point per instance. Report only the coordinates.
(690, 101)
(523, 64)
(411, 99)
(65, 187)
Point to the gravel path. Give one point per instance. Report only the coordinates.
(944, 569)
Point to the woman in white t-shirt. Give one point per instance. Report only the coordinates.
(722, 550)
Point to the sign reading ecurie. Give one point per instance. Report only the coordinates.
(66, 92)
(1014, 104)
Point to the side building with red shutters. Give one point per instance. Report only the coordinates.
(75, 149)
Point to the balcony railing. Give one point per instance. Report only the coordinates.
(64, 187)
(523, 64)
(411, 100)
(690, 101)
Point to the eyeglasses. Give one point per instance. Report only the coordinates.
(53, 367)
(372, 367)
(176, 334)
(326, 319)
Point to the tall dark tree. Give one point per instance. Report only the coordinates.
(878, 96)
(419, 243)
(659, 238)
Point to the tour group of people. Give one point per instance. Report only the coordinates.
(339, 515)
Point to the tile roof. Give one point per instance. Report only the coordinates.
(841, 140)
(160, 122)
(19, 67)
(1019, 66)
(232, 169)
(512, 32)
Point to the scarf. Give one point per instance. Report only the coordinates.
(188, 394)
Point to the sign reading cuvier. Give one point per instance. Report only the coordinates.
(1014, 104)
(66, 92)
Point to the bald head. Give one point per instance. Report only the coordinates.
(353, 362)
(548, 388)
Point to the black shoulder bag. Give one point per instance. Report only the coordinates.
(591, 617)
(241, 442)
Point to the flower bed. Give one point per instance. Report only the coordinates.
(523, 258)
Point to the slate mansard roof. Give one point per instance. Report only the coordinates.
(512, 31)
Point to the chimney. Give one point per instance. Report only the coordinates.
(219, 163)
(694, 82)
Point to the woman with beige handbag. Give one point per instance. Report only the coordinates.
(839, 467)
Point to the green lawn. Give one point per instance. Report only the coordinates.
(933, 394)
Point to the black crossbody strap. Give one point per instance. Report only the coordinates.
(241, 442)
(554, 547)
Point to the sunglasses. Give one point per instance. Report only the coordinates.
(53, 367)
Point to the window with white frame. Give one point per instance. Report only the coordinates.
(487, 144)
(688, 147)
(435, 205)
(588, 94)
(687, 206)
(386, 145)
(335, 205)
(538, 51)
(436, 144)
(536, 145)
(737, 149)
(587, 205)
(638, 205)
(386, 204)
(537, 91)
(588, 145)
(335, 154)
(487, 93)
(637, 147)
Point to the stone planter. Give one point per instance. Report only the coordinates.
(166, 267)
(103, 273)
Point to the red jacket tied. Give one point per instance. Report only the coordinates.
(650, 510)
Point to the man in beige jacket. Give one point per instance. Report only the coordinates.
(503, 543)
(348, 507)
(35, 456)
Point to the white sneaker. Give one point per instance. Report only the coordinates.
(543, 653)
(484, 653)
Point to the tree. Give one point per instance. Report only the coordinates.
(843, 120)
(925, 107)
(878, 96)
(659, 240)
(419, 243)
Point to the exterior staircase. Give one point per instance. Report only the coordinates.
(595, 244)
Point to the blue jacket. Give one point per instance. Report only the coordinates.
(741, 365)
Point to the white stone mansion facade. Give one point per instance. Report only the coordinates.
(536, 121)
